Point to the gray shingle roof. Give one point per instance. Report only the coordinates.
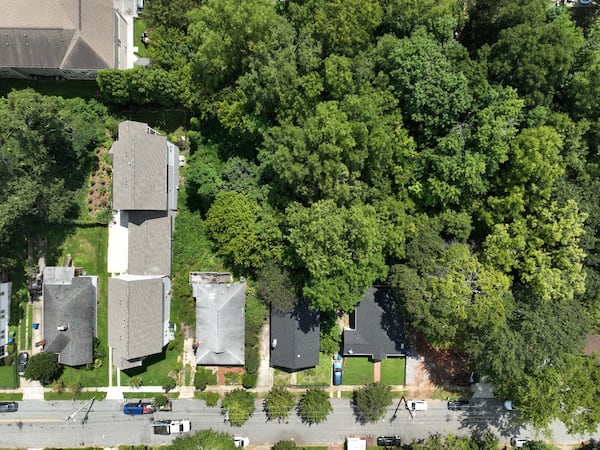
(145, 169)
(295, 338)
(58, 34)
(220, 324)
(138, 315)
(69, 315)
(149, 243)
(379, 327)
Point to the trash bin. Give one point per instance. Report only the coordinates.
(35, 326)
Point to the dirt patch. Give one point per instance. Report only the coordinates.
(99, 184)
(446, 369)
(221, 371)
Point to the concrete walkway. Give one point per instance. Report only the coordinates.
(265, 371)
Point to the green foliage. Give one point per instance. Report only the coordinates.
(314, 406)
(243, 231)
(232, 378)
(215, 440)
(275, 287)
(249, 380)
(169, 385)
(372, 401)
(284, 445)
(204, 377)
(161, 400)
(210, 398)
(237, 406)
(43, 367)
(278, 403)
(341, 250)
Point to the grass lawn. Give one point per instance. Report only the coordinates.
(358, 371)
(139, 26)
(8, 375)
(88, 246)
(318, 376)
(282, 378)
(148, 396)
(86, 89)
(11, 397)
(393, 371)
(157, 369)
(78, 396)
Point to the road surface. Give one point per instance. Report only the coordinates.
(54, 424)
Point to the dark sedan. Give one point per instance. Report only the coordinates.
(458, 405)
(22, 360)
(389, 441)
(8, 407)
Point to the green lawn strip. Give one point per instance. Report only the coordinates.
(318, 376)
(346, 394)
(157, 369)
(399, 394)
(11, 397)
(88, 246)
(139, 26)
(85, 89)
(393, 371)
(86, 395)
(358, 371)
(8, 376)
(443, 394)
(281, 378)
(148, 396)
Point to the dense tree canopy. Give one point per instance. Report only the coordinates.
(447, 148)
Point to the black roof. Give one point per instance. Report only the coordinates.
(295, 337)
(378, 326)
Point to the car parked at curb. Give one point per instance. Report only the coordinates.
(337, 372)
(241, 441)
(8, 407)
(459, 405)
(389, 441)
(416, 405)
(519, 442)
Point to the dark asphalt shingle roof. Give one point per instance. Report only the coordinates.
(379, 327)
(71, 304)
(295, 337)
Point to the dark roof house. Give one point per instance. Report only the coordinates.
(70, 39)
(138, 317)
(69, 315)
(220, 323)
(376, 327)
(295, 337)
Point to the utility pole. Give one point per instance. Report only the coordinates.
(74, 413)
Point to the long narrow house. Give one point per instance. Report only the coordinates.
(145, 181)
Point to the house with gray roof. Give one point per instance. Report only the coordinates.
(69, 315)
(70, 39)
(138, 317)
(145, 186)
(295, 337)
(220, 323)
(376, 326)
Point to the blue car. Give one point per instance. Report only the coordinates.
(337, 373)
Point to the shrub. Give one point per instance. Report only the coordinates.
(169, 384)
(161, 400)
(249, 380)
(252, 361)
(210, 398)
(232, 378)
(203, 378)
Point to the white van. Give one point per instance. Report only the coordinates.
(416, 405)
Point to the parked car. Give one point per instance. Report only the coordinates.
(22, 361)
(519, 442)
(138, 408)
(389, 441)
(337, 372)
(241, 441)
(8, 407)
(171, 426)
(416, 405)
(458, 405)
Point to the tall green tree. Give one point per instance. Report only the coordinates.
(215, 440)
(237, 406)
(43, 367)
(314, 406)
(372, 401)
(278, 403)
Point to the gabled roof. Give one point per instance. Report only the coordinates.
(149, 243)
(138, 315)
(220, 324)
(378, 329)
(69, 315)
(57, 34)
(295, 337)
(145, 173)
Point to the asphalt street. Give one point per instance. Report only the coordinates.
(54, 424)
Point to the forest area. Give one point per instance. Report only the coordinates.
(447, 148)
